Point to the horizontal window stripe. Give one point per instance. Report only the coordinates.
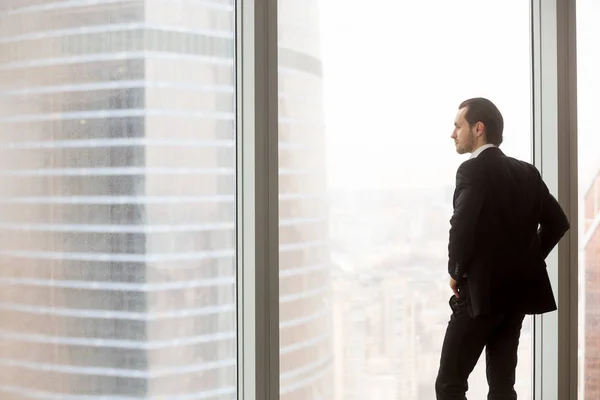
(303, 344)
(291, 61)
(284, 389)
(149, 316)
(117, 171)
(58, 5)
(326, 311)
(309, 368)
(142, 171)
(146, 257)
(283, 274)
(138, 84)
(141, 199)
(40, 395)
(123, 27)
(117, 199)
(115, 343)
(144, 229)
(292, 272)
(82, 30)
(118, 257)
(118, 315)
(89, 3)
(300, 196)
(117, 372)
(220, 5)
(124, 142)
(146, 344)
(120, 286)
(121, 56)
(115, 113)
(139, 112)
(320, 291)
(126, 84)
(302, 245)
(302, 221)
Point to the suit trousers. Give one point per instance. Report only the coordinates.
(464, 342)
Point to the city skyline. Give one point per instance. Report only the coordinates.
(392, 86)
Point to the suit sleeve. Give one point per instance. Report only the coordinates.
(468, 200)
(553, 222)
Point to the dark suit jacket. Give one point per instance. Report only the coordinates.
(504, 225)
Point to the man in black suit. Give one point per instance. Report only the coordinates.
(505, 223)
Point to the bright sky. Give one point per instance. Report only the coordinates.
(395, 72)
(588, 89)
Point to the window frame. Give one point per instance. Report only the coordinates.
(257, 198)
(554, 84)
(554, 138)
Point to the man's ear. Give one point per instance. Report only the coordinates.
(479, 128)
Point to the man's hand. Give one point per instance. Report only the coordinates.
(454, 287)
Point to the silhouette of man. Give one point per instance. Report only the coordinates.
(505, 223)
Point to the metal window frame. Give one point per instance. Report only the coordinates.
(555, 154)
(257, 199)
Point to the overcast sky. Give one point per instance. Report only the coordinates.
(395, 72)
(588, 88)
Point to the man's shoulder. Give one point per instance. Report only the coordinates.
(499, 159)
(467, 171)
(524, 165)
(480, 168)
(468, 166)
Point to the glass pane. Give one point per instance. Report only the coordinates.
(588, 87)
(368, 92)
(117, 192)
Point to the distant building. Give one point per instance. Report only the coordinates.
(118, 240)
(591, 247)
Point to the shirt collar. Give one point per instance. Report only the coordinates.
(480, 150)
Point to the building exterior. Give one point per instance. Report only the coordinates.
(588, 64)
(117, 160)
(306, 363)
(591, 290)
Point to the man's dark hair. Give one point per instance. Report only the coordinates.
(483, 110)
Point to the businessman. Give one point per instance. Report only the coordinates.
(505, 223)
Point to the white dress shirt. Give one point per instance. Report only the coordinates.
(480, 149)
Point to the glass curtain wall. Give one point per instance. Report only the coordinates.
(117, 192)
(368, 93)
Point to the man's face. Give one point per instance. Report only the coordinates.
(463, 135)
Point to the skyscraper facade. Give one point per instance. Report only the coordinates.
(305, 286)
(117, 160)
(118, 204)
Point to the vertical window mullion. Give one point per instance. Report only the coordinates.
(257, 208)
(555, 154)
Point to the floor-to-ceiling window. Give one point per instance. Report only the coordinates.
(119, 220)
(368, 92)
